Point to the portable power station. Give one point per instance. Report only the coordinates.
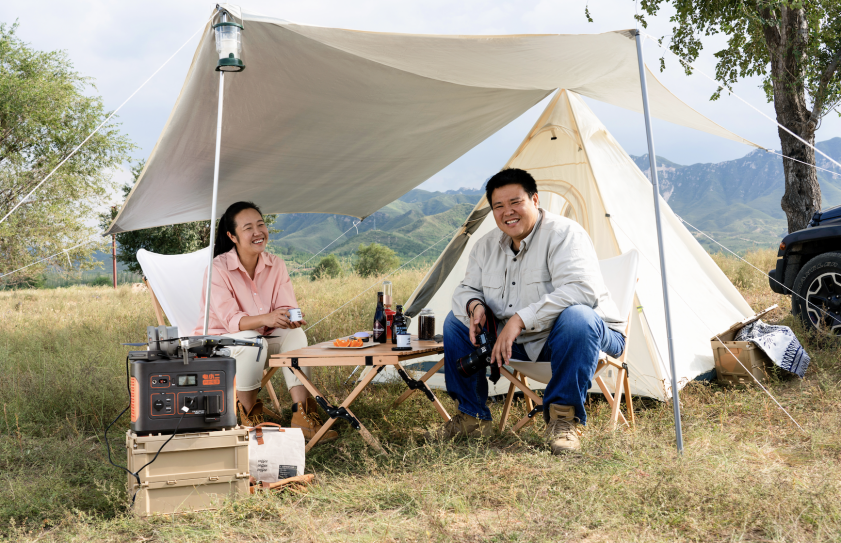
(162, 387)
(184, 383)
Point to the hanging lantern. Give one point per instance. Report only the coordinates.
(228, 45)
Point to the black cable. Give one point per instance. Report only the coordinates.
(136, 474)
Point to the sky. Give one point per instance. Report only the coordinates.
(120, 44)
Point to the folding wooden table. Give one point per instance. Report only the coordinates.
(377, 357)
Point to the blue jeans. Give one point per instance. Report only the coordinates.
(572, 349)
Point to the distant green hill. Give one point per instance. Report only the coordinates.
(737, 202)
(409, 226)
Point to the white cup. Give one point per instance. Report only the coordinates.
(404, 340)
(295, 315)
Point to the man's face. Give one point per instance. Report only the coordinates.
(515, 213)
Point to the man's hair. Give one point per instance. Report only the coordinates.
(511, 176)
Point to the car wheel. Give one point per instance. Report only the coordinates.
(817, 293)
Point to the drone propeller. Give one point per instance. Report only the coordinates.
(135, 344)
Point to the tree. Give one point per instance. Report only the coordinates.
(46, 110)
(327, 267)
(375, 259)
(173, 239)
(795, 46)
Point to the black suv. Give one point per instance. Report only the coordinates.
(809, 265)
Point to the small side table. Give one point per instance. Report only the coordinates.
(377, 357)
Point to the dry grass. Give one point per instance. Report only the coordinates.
(748, 474)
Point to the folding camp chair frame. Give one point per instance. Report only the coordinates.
(267, 375)
(534, 402)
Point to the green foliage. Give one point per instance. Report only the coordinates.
(174, 239)
(47, 109)
(102, 281)
(375, 259)
(327, 267)
(756, 30)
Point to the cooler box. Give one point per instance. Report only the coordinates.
(194, 472)
(729, 353)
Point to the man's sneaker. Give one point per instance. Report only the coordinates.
(462, 425)
(562, 430)
(305, 416)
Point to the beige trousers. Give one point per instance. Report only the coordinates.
(250, 369)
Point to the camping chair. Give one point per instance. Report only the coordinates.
(620, 278)
(175, 284)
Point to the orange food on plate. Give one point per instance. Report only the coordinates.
(341, 342)
(355, 343)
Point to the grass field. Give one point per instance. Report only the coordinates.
(748, 473)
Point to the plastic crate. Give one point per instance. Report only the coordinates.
(736, 361)
(194, 472)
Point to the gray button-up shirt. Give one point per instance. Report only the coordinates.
(555, 268)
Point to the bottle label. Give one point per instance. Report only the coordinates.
(378, 330)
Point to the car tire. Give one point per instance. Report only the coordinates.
(819, 282)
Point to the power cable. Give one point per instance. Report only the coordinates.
(73, 152)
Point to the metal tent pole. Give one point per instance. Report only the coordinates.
(653, 165)
(213, 205)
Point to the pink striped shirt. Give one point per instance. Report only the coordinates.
(235, 295)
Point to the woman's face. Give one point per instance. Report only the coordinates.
(252, 234)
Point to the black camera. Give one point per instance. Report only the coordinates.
(479, 359)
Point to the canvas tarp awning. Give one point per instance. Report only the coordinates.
(327, 120)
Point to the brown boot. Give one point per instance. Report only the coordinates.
(462, 425)
(562, 430)
(253, 417)
(305, 416)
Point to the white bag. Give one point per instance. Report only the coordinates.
(275, 453)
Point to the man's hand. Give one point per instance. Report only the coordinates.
(502, 350)
(477, 321)
(279, 318)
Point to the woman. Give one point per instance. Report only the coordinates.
(251, 295)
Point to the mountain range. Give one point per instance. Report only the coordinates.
(736, 202)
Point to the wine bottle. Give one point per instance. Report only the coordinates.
(379, 321)
(398, 326)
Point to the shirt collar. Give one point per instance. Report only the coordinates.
(234, 261)
(505, 240)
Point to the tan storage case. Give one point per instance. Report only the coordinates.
(194, 472)
(728, 370)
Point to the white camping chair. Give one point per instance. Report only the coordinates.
(620, 278)
(175, 284)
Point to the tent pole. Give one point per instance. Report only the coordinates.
(653, 165)
(213, 205)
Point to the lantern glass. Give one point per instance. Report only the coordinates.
(228, 41)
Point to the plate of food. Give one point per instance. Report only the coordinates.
(352, 342)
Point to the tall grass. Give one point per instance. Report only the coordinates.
(748, 474)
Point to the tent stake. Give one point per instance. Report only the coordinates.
(653, 165)
(213, 205)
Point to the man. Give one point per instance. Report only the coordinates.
(539, 276)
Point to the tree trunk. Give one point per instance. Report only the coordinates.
(786, 45)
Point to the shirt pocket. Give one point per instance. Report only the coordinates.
(492, 284)
(538, 284)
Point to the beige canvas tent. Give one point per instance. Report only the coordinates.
(584, 174)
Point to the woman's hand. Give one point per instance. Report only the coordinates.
(279, 318)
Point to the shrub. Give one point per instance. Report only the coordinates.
(102, 281)
(375, 259)
(327, 267)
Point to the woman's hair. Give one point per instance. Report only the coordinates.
(228, 225)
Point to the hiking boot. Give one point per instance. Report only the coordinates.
(305, 416)
(562, 430)
(253, 416)
(462, 425)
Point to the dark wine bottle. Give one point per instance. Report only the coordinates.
(398, 326)
(380, 321)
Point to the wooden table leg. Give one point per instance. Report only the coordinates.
(405, 396)
(364, 382)
(270, 390)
